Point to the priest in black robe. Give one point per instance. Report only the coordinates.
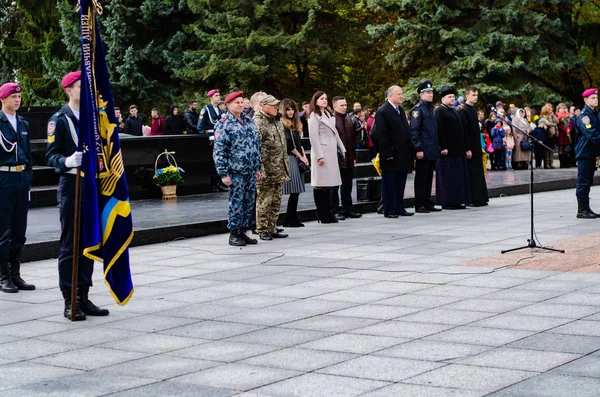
(470, 124)
(452, 186)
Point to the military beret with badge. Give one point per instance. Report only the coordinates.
(8, 89)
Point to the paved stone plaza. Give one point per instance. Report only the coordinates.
(369, 307)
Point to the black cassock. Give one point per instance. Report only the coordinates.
(470, 123)
(452, 186)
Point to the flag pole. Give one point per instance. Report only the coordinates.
(76, 232)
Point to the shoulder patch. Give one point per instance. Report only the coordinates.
(51, 128)
(415, 114)
(585, 120)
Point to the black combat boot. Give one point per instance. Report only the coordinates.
(79, 315)
(6, 283)
(583, 210)
(15, 271)
(590, 210)
(86, 305)
(235, 239)
(247, 239)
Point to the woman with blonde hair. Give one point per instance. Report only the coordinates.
(552, 124)
(292, 127)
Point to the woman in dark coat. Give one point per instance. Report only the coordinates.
(293, 133)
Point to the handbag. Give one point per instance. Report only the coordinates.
(341, 157)
(525, 145)
(303, 168)
(377, 164)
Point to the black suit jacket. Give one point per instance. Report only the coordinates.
(393, 134)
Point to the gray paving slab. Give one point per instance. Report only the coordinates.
(520, 359)
(480, 336)
(172, 388)
(389, 369)
(558, 310)
(159, 367)
(407, 390)
(446, 316)
(559, 343)
(433, 351)
(211, 330)
(223, 351)
(403, 329)
(153, 343)
(283, 337)
(521, 322)
(470, 378)
(237, 376)
(331, 323)
(585, 366)
(296, 359)
(553, 385)
(313, 385)
(578, 327)
(349, 343)
(18, 374)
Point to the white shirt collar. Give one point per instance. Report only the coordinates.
(12, 119)
(75, 112)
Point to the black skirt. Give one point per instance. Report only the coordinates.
(452, 186)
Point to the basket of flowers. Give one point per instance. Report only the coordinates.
(168, 178)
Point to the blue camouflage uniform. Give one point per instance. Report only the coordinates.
(587, 148)
(16, 170)
(60, 146)
(237, 154)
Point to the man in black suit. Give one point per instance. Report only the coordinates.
(395, 152)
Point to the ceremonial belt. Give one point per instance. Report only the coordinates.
(13, 168)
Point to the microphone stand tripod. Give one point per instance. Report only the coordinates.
(531, 243)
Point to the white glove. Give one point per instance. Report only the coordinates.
(74, 160)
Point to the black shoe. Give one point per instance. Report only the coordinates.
(422, 210)
(393, 216)
(6, 282)
(338, 217)
(279, 229)
(279, 235)
(15, 270)
(433, 208)
(254, 231)
(265, 236)
(235, 239)
(406, 213)
(294, 224)
(87, 306)
(79, 314)
(454, 207)
(352, 215)
(583, 211)
(247, 239)
(333, 219)
(380, 212)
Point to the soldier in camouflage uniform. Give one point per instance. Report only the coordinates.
(275, 169)
(237, 159)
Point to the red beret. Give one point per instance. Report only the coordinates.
(589, 92)
(211, 92)
(70, 78)
(9, 89)
(233, 96)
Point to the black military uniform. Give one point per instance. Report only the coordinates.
(62, 144)
(424, 138)
(16, 170)
(587, 148)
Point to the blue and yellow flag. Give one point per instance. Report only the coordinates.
(106, 213)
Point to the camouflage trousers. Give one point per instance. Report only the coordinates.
(242, 194)
(268, 203)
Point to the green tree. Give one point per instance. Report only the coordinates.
(521, 50)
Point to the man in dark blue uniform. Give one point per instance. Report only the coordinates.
(587, 148)
(424, 138)
(16, 169)
(62, 154)
(209, 117)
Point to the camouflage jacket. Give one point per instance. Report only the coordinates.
(237, 149)
(273, 149)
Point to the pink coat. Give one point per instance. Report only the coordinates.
(324, 142)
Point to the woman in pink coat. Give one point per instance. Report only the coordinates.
(325, 143)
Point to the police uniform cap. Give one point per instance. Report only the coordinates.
(446, 90)
(590, 91)
(233, 95)
(70, 78)
(211, 92)
(425, 86)
(8, 89)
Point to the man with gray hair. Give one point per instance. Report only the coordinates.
(395, 152)
(255, 103)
